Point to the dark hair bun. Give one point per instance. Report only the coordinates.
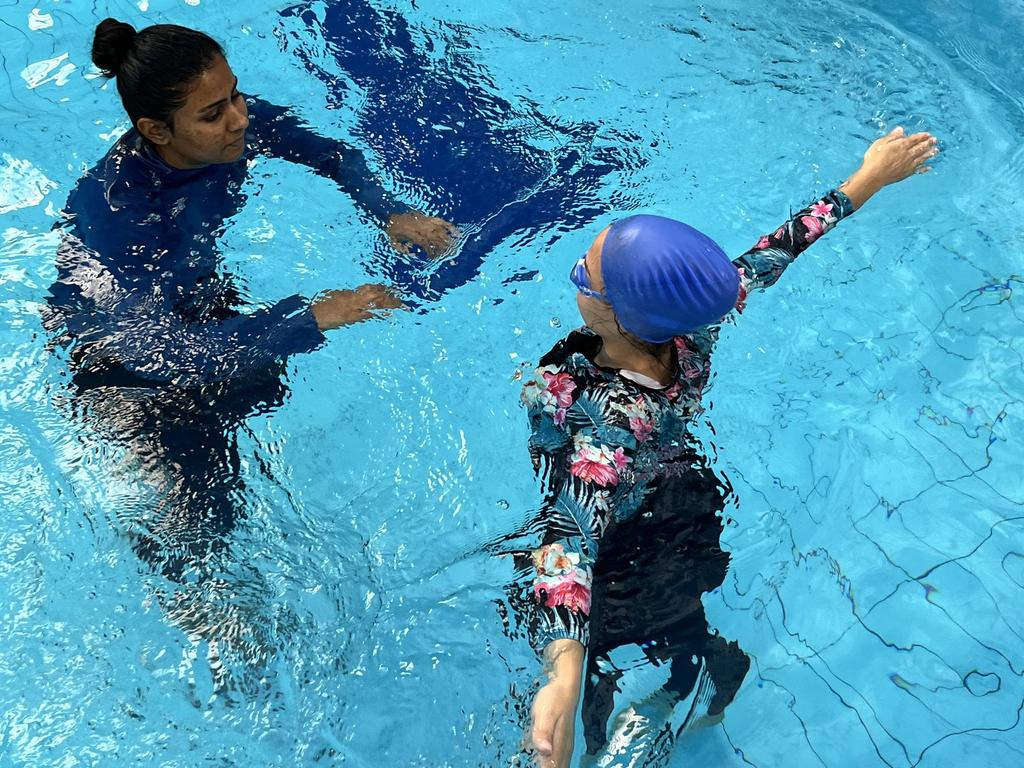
(110, 45)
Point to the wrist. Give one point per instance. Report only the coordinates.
(861, 186)
(563, 663)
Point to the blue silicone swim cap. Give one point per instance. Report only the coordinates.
(664, 278)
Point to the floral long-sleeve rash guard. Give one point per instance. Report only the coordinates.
(602, 442)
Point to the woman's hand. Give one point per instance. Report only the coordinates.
(552, 729)
(432, 234)
(892, 158)
(334, 309)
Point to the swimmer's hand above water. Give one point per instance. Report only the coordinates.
(333, 309)
(433, 235)
(892, 158)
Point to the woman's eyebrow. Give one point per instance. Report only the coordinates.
(217, 103)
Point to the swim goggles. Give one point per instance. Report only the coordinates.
(579, 277)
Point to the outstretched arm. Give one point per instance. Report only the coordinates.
(892, 158)
(136, 328)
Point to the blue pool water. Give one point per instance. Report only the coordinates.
(864, 410)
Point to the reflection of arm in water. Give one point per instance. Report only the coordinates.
(276, 132)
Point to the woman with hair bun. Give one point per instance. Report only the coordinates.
(166, 363)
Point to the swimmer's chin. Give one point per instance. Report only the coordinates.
(234, 151)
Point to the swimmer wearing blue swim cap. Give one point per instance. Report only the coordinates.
(626, 540)
(664, 278)
(646, 280)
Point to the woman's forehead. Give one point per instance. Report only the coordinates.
(214, 84)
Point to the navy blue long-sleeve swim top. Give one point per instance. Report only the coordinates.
(139, 286)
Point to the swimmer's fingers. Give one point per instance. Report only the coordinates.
(898, 136)
(334, 309)
(452, 234)
(896, 156)
(920, 138)
(431, 234)
(926, 150)
(435, 241)
(896, 133)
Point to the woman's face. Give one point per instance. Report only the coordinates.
(209, 127)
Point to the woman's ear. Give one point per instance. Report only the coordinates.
(156, 131)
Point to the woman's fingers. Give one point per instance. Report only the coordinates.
(400, 245)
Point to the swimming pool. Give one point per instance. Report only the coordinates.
(875, 580)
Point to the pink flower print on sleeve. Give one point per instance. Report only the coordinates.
(560, 579)
(763, 243)
(815, 227)
(823, 209)
(596, 465)
(552, 390)
(560, 388)
(571, 594)
(741, 296)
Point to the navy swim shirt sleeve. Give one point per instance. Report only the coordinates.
(276, 132)
(763, 265)
(119, 321)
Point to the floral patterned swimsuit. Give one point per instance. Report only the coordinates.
(626, 540)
